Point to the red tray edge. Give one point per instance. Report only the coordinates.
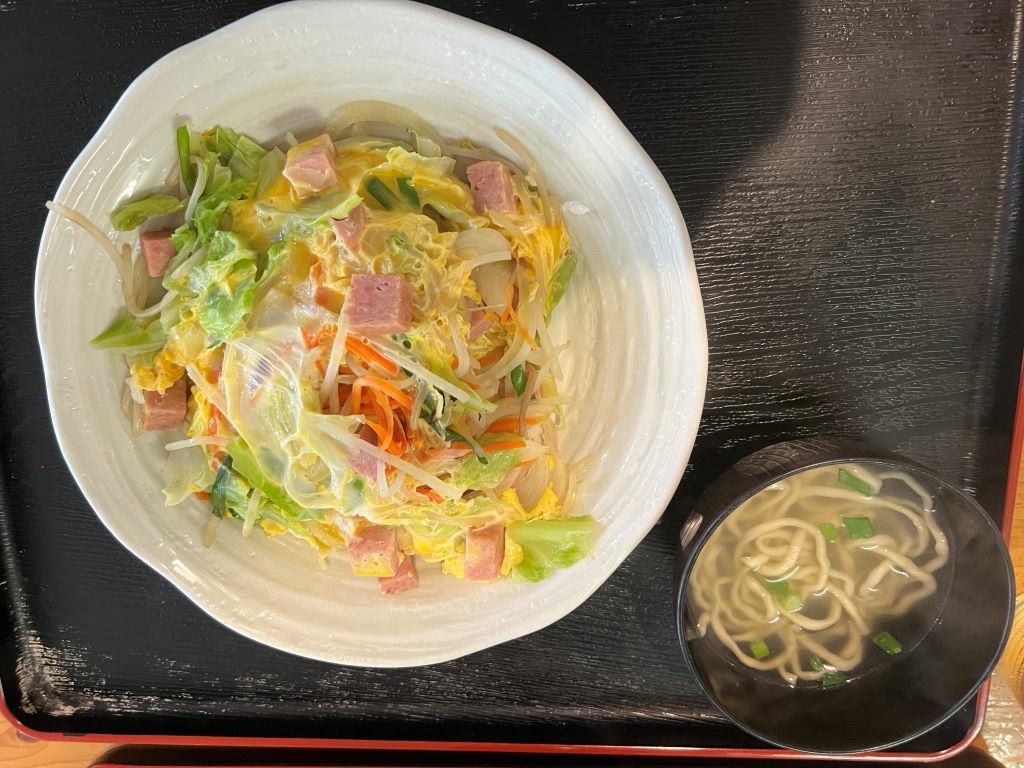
(506, 747)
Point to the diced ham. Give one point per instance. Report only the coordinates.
(157, 250)
(485, 549)
(362, 462)
(478, 324)
(165, 411)
(491, 185)
(351, 228)
(405, 578)
(379, 304)
(309, 166)
(373, 551)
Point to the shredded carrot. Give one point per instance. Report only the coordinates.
(213, 425)
(510, 314)
(430, 493)
(378, 430)
(387, 418)
(497, 445)
(509, 424)
(522, 329)
(398, 443)
(316, 272)
(202, 495)
(389, 389)
(367, 353)
(344, 393)
(492, 357)
(509, 293)
(325, 333)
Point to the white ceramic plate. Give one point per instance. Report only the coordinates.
(633, 314)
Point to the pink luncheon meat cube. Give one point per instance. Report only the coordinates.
(362, 462)
(165, 411)
(310, 166)
(373, 551)
(379, 304)
(350, 228)
(157, 250)
(491, 185)
(405, 578)
(485, 549)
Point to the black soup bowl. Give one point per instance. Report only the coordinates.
(917, 666)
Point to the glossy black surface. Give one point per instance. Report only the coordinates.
(849, 173)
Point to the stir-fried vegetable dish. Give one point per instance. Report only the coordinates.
(351, 334)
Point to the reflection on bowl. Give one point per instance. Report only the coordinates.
(835, 598)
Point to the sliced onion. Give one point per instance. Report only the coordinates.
(473, 242)
(478, 247)
(476, 154)
(532, 169)
(491, 281)
(426, 146)
(532, 482)
(382, 112)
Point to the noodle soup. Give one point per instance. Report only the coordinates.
(824, 576)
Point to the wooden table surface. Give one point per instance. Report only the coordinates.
(17, 752)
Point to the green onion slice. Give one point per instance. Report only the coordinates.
(887, 643)
(759, 649)
(408, 192)
(518, 378)
(787, 599)
(829, 531)
(832, 678)
(852, 481)
(218, 493)
(380, 192)
(859, 527)
(184, 143)
(451, 435)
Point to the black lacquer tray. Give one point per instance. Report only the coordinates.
(850, 174)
